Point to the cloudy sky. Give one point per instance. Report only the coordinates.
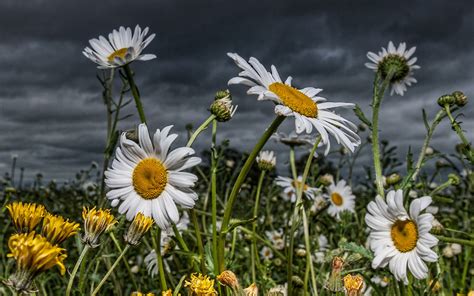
(51, 111)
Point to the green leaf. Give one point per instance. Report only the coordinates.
(355, 248)
(425, 120)
(361, 116)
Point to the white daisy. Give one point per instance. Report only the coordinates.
(401, 239)
(398, 60)
(277, 239)
(305, 105)
(266, 160)
(266, 253)
(147, 177)
(121, 48)
(341, 198)
(289, 188)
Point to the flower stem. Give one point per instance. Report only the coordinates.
(469, 243)
(127, 266)
(135, 93)
(197, 230)
(309, 259)
(75, 269)
(458, 129)
(295, 217)
(214, 196)
(238, 183)
(419, 163)
(104, 279)
(156, 240)
(378, 94)
(182, 245)
(254, 252)
(202, 127)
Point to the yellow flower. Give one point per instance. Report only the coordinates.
(34, 255)
(57, 230)
(167, 293)
(200, 285)
(26, 216)
(140, 225)
(96, 222)
(353, 284)
(136, 293)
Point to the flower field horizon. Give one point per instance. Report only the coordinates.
(158, 216)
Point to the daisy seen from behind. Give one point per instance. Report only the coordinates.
(148, 177)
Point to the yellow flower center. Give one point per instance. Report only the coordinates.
(119, 53)
(336, 198)
(404, 235)
(294, 99)
(150, 178)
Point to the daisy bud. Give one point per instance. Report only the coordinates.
(96, 222)
(277, 291)
(266, 160)
(251, 290)
(297, 281)
(457, 248)
(454, 179)
(56, 230)
(413, 194)
(200, 285)
(362, 127)
(393, 179)
(229, 279)
(353, 284)
(33, 255)
(222, 107)
(301, 252)
(326, 179)
(429, 151)
(140, 225)
(135, 269)
(448, 252)
(437, 227)
(25, 216)
(441, 164)
(230, 163)
(460, 98)
(132, 135)
(446, 100)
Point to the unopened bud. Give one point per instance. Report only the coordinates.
(460, 98)
(297, 281)
(429, 151)
(436, 227)
(326, 179)
(222, 107)
(446, 100)
(393, 179)
(301, 252)
(266, 160)
(454, 179)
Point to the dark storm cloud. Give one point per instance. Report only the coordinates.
(51, 108)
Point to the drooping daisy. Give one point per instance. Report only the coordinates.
(120, 49)
(266, 160)
(341, 198)
(399, 61)
(147, 177)
(305, 105)
(401, 239)
(289, 188)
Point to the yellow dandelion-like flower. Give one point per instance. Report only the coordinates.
(168, 292)
(34, 254)
(200, 285)
(96, 222)
(251, 290)
(136, 293)
(57, 229)
(140, 225)
(353, 284)
(26, 216)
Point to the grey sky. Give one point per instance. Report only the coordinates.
(51, 111)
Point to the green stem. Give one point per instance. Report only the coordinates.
(441, 187)
(197, 230)
(467, 259)
(183, 246)
(75, 269)
(214, 196)
(439, 116)
(202, 127)
(293, 163)
(468, 243)
(127, 266)
(309, 258)
(156, 241)
(253, 250)
(376, 102)
(264, 241)
(135, 93)
(295, 217)
(238, 183)
(458, 129)
(104, 279)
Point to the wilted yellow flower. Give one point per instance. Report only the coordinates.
(56, 229)
(436, 287)
(353, 284)
(136, 293)
(228, 278)
(200, 285)
(26, 216)
(95, 223)
(251, 290)
(140, 225)
(168, 292)
(34, 255)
